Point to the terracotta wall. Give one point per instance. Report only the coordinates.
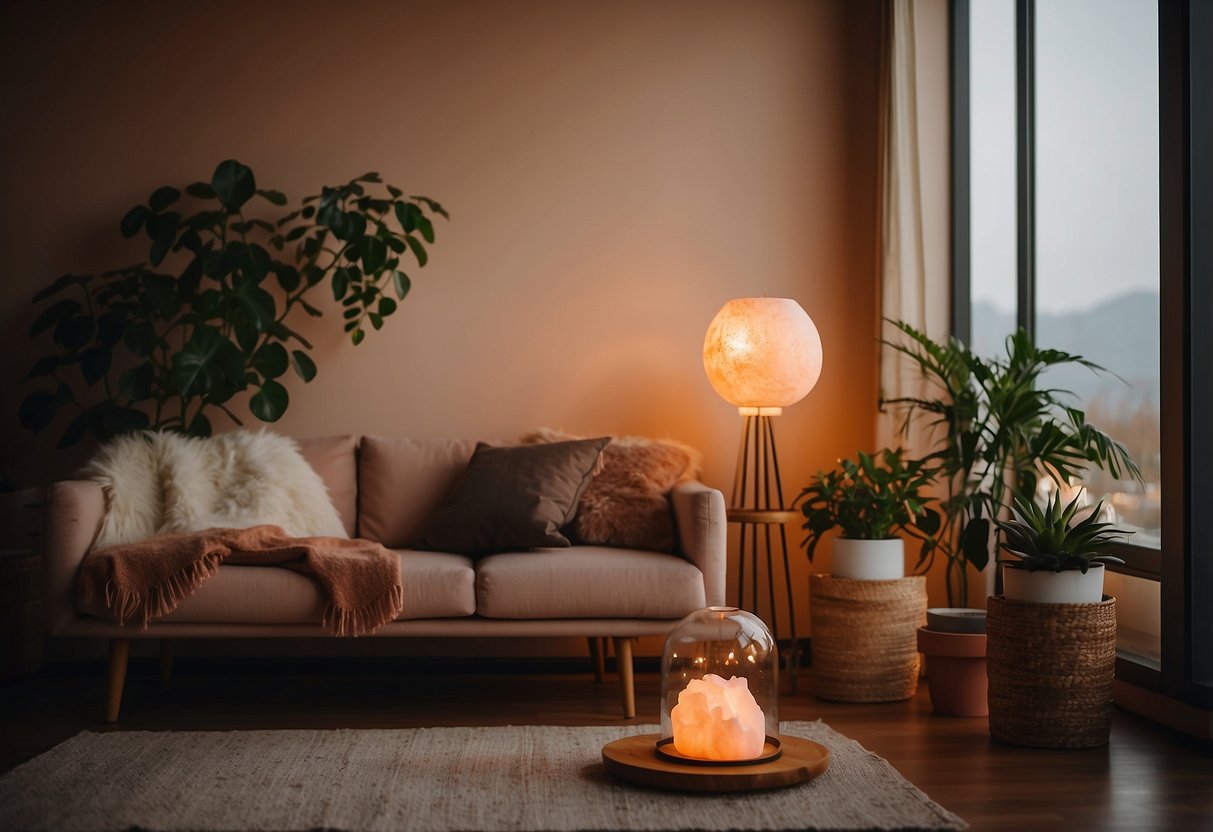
(615, 172)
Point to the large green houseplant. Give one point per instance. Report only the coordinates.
(165, 343)
(996, 429)
(871, 498)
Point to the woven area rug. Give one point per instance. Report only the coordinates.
(483, 779)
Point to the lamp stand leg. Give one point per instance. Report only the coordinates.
(758, 487)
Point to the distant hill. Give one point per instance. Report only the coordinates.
(1121, 334)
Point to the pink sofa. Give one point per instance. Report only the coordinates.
(385, 488)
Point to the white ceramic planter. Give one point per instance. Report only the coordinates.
(869, 560)
(1041, 587)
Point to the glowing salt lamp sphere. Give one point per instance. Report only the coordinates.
(720, 685)
(762, 352)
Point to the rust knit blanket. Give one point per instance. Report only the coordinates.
(148, 579)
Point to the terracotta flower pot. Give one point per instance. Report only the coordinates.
(956, 672)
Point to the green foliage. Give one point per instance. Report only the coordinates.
(1049, 539)
(996, 431)
(872, 499)
(162, 343)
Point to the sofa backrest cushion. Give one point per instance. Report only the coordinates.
(335, 459)
(402, 481)
(514, 498)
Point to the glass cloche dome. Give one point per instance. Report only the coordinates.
(719, 687)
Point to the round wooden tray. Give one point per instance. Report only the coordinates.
(635, 759)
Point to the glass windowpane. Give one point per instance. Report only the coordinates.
(1097, 228)
(992, 173)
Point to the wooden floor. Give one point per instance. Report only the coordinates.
(1146, 779)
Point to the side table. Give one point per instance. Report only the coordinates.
(757, 539)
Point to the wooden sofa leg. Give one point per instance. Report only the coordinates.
(115, 677)
(167, 648)
(597, 648)
(623, 661)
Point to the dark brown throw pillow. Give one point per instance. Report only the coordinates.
(514, 498)
(627, 503)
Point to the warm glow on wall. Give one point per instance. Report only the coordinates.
(762, 352)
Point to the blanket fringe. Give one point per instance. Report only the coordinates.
(158, 601)
(363, 621)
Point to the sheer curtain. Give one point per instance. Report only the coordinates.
(914, 220)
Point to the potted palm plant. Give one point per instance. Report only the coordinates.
(996, 431)
(870, 501)
(1058, 556)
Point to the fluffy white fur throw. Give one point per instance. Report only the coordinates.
(157, 483)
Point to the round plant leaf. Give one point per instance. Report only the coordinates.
(110, 327)
(134, 220)
(136, 383)
(62, 283)
(374, 255)
(418, 250)
(95, 363)
(305, 368)
(403, 284)
(200, 190)
(288, 278)
(109, 420)
(74, 332)
(53, 315)
(234, 184)
(270, 402)
(426, 228)
(38, 409)
(206, 361)
(162, 198)
(271, 360)
(199, 426)
(44, 366)
(75, 431)
(273, 197)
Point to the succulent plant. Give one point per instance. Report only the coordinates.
(1048, 538)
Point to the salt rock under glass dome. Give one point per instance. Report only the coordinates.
(718, 719)
(720, 686)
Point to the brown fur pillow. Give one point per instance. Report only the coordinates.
(627, 503)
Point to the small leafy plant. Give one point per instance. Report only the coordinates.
(165, 343)
(1049, 540)
(872, 499)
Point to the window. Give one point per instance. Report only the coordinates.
(992, 175)
(1076, 194)
(1097, 255)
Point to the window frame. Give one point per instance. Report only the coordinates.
(1186, 306)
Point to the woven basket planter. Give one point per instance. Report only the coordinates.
(1050, 668)
(865, 637)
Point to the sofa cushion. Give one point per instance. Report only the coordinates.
(587, 582)
(335, 459)
(627, 503)
(436, 585)
(402, 481)
(514, 498)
